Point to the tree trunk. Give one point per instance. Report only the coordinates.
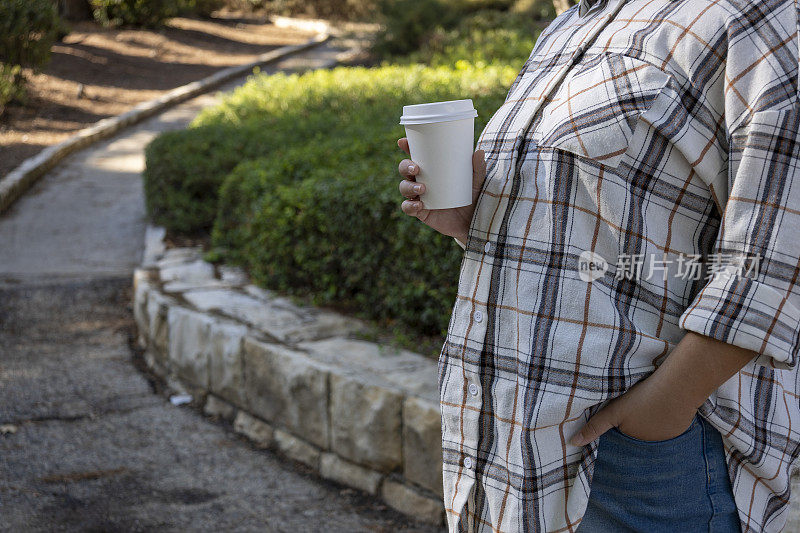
(74, 9)
(562, 5)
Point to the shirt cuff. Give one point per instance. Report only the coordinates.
(461, 244)
(747, 313)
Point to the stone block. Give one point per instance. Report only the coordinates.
(365, 423)
(155, 363)
(793, 520)
(353, 356)
(189, 344)
(409, 501)
(394, 368)
(157, 311)
(219, 408)
(226, 369)
(154, 246)
(287, 388)
(259, 432)
(257, 292)
(276, 317)
(184, 286)
(317, 324)
(141, 287)
(176, 256)
(422, 444)
(297, 449)
(188, 272)
(233, 275)
(421, 382)
(333, 467)
(243, 307)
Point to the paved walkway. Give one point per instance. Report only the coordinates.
(87, 442)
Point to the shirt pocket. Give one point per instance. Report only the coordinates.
(594, 112)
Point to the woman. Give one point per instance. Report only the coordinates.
(622, 354)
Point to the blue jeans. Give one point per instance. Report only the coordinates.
(675, 485)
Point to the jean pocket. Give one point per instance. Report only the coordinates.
(685, 433)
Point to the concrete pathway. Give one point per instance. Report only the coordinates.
(87, 441)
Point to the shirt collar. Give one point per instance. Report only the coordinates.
(586, 6)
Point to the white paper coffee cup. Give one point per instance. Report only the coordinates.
(440, 139)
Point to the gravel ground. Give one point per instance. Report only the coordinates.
(88, 441)
(92, 444)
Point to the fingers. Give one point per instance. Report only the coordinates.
(412, 207)
(411, 189)
(403, 144)
(596, 426)
(408, 169)
(478, 173)
(479, 164)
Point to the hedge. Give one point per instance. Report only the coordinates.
(28, 29)
(483, 38)
(148, 13)
(294, 177)
(312, 206)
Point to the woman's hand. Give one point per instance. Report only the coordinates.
(452, 222)
(664, 404)
(653, 409)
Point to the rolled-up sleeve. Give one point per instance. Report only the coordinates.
(757, 307)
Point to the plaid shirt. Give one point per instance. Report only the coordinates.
(660, 129)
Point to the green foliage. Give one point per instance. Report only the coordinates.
(295, 176)
(148, 13)
(446, 31)
(408, 23)
(330, 9)
(28, 29)
(340, 238)
(184, 171)
(482, 38)
(308, 201)
(203, 8)
(10, 86)
(538, 9)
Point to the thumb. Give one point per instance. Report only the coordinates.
(597, 425)
(478, 169)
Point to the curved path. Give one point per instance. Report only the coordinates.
(87, 442)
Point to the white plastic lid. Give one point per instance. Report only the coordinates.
(438, 112)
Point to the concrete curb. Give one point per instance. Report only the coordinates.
(15, 183)
(295, 379)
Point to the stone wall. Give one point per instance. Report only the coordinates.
(294, 379)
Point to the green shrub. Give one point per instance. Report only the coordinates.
(10, 86)
(408, 23)
(296, 175)
(330, 9)
(28, 29)
(184, 171)
(146, 13)
(445, 28)
(203, 8)
(309, 202)
(341, 239)
(482, 38)
(538, 9)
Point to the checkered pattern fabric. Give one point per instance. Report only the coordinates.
(668, 128)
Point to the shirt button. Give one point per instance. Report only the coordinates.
(487, 247)
(478, 316)
(468, 464)
(473, 389)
